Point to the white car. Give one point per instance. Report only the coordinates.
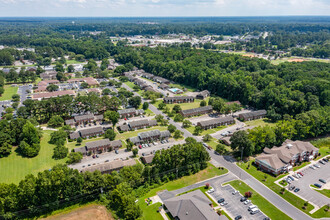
(224, 203)
(247, 202)
(210, 190)
(316, 165)
(234, 193)
(312, 167)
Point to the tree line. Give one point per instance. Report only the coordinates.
(62, 186)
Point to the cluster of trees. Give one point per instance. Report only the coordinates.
(65, 106)
(22, 133)
(286, 88)
(305, 125)
(22, 76)
(61, 186)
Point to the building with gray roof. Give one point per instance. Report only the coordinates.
(108, 167)
(178, 99)
(90, 132)
(252, 115)
(213, 123)
(192, 206)
(197, 111)
(203, 94)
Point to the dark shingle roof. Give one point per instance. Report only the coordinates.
(254, 114)
(74, 135)
(127, 111)
(178, 98)
(133, 124)
(216, 121)
(91, 131)
(196, 110)
(123, 127)
(82, 150)
(98, 143)
(84, 117)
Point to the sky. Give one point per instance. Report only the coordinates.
(161, 8)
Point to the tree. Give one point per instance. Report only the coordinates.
(52, 88)
(79, 140)
(70, 68)
(198, 130)
(5, 149)
(129, 146)
(15, 98)
(221, 149)
(207, 138)
(241, 142)
(177, 134)
(55, 121)
(203, 103)
(161, 106)
(135, 101)
(106, 91)
(110, 134)
(29, 150)
(74, 157)
(112, 116)
(60, 152)
(176, 108)
(186, 123)
(135, 152)
(30, 134)
(171, 128)
(159, 118)
(59, 67)
(58, 137)
(178, 118)
(84, 85)
(145, 105)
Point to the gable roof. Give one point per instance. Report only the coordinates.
(191, 206)
(216, 121)
(197, 110)
(91, 131)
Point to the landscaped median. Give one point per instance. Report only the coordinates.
(266, 207)
(269, 181)
(151, 210)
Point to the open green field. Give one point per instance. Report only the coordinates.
(214, 142)
(15, 167)
(68, 62)
(130, 84)
(288, 59)
(269, 180)
(74, 144)
(208, 131)
(266, 207)
(324, 146)
(9, 92)
(151, 210)
(260, 122)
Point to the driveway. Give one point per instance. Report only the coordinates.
(310, 177)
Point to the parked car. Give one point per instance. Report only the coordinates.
(291, 178)
(140, 146)
(292, 187)
(297, 190)
(234, 193)
(252, 207)
(247, 202)
(312, 167)
(254, 211)
(143, 154)
(322, 181)
(224, 203)
(116, 151)
(317, 185)
(221, 200)
(238, 217)
(317, 166)
(106, 161)
(301, 173)
(325, 160)
(243, 199)
(210, 190)
(97, 156)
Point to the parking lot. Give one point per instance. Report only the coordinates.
(311, 176)
(234, 207)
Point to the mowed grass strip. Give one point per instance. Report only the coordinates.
(15, 167)
(323, 212)
(266, 207)
(209, 172)
(269, 182)
(9, 92)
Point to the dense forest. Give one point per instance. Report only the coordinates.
(289, 88)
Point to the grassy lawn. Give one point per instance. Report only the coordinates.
(207, 173)
(148, 112)
(269, 182)
(130, 84)
(9, 92)
(14, 167)
(68, 62)
(324, 146)
(214, 142)
(301, 166)
(151, 211)
(266, 207)
(260, 122)
(325, 192)
(184, 106)
(191, 129)
(321, 213)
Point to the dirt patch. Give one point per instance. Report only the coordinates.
(296, 60)
(95, 212)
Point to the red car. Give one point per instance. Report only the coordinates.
(300, 173)
(125, 119)
(140, 147)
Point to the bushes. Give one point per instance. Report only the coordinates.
(55, 121)
(110, 134)
(58, 137)
(74, 157)
(29, 150)
(60, 152)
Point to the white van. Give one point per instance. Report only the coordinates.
(254, 211)
(252, 207)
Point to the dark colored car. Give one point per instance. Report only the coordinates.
(238, 217)
(221, 200)
(325, 159)
(297, 190)
(322, 181)
(243, 199)
(292, 187)
(317, 185)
